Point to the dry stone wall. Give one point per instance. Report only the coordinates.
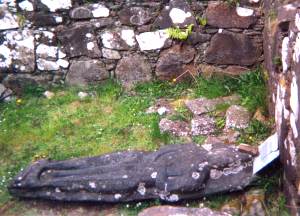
(282, 61)
(83, 42)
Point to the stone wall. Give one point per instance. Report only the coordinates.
(282, 61)
(84, 41)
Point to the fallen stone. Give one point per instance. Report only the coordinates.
(221, 15)
(86, 72)
(176, 128)
(49, 94)
(232, 49)
(177, 13)
(202, 105)
(118, 39)
(79, 40)
(202, 125)
(253, 150)
(237, 117)
(173, 173)
(172, 62)
(132, 70)
(137, 16)
(179, 211)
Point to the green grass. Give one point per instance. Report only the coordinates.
(111, 120)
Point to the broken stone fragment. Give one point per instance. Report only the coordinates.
(132, 70)
(173, 173)
(202, 105)
(202, 125)
(237, 117)
(180, 211)
(176, 128)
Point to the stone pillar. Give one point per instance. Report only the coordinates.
(282, 61)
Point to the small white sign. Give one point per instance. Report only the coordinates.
(268, 151)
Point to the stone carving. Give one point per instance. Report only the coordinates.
(173, 173)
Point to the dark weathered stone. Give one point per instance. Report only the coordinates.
(173, 173)
(86, 72)
(169, 15)
(132, 70)
(222, 15)
(197, 37)
(171, 62)
(45, 19)
(235, 49)
(172, 210)
(135, 16)
(79, 40)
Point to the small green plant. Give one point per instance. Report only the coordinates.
(178, 34)
(21, 19)
(202, 21)
(257, 131)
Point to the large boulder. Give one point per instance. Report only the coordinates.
(172, 62)
(132, 70)
(222, 15)
(232, 49)
(86, 72)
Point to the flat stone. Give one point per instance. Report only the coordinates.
(7, 19)
(222, 15)
(177, 13)
(18, 51)
(172, 173)
(152, 40)
(202, 125)
(86, 72)
(203, 105)
(176, 128)
(237, 117)
(26, 6)
(47, 65)
(110, 54)
(132, 70)
(232, 49)
(89, 11)
(137, 16)
(180, 211)
(45, 51)
(79, 40)
(118, 39)
(172, 62)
